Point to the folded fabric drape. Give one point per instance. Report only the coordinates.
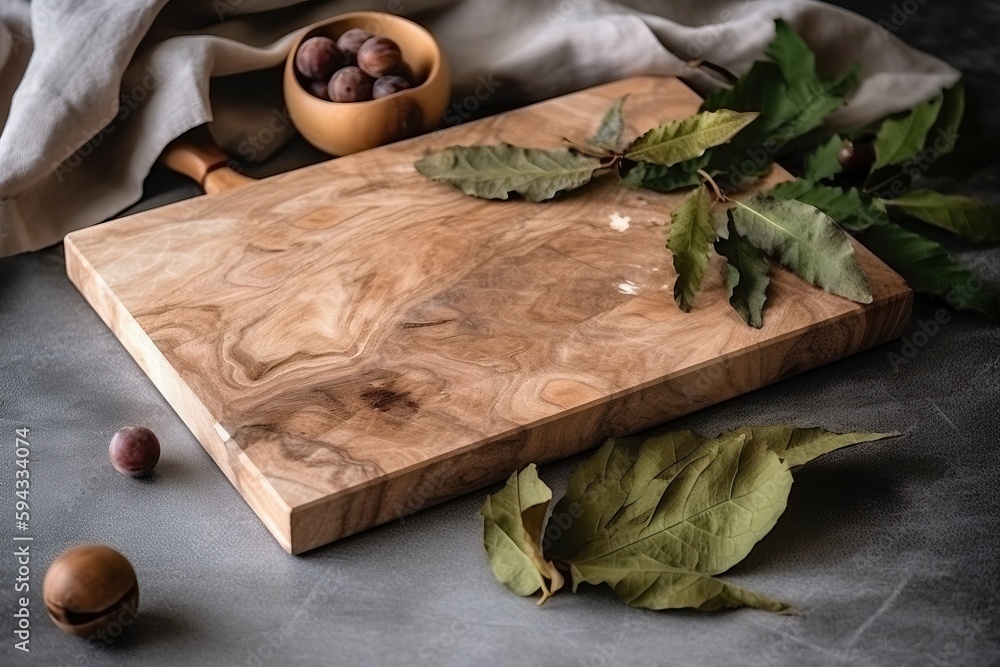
(110, 83)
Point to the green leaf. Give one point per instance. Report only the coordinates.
(664, 179)
(972, 147)
(793, 99)
(609, 134)
(788, 110)
(746, 277)
(930, 269)
(647, 583)
(824, 162)
(968, 218)
(701, 509)
(799, 446)
(666, 514)
(679, 141)
(493, 172)
(608, 480)
(853, 210)
(690, 241)
(806, 240)
(911, 144)
(943, 137)
(791, 53)
(513, 520)
(902, 137)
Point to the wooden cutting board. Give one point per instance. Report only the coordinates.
(352, 342)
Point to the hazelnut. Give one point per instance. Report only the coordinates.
(90, 587)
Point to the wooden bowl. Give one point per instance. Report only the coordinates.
(342, 128)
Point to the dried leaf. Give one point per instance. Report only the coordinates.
(943, 137)
(657, 518)
(609, 133)
(960, 143)
(648, 583)
(799, 446)
(968, 218)
(690, 241)
(513, 520)
(493, 172)
(903, 137)
(806, 240)
(791, 53)
(792, 97)
(670, 512)
(929, 268)
(853, 210)
(665, 179)
(683, 140)
(824, 162)
(747, 277)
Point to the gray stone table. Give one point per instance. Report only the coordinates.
(890, 549)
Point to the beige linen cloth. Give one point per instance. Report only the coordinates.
(91, 91)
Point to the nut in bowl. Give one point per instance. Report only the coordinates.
(388, 74)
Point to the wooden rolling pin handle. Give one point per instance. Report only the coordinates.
(204, 162)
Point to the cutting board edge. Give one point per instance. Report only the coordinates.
(246, 478)
(420, 486)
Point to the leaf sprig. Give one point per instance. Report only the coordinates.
(855, 181)
(655, 518)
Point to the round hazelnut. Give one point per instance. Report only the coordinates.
(89, 588)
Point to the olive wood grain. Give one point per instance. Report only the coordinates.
(352, 342)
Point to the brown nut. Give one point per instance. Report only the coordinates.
(89, 588)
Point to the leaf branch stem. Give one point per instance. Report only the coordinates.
(719, 194)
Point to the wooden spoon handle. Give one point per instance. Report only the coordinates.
(201, 159)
